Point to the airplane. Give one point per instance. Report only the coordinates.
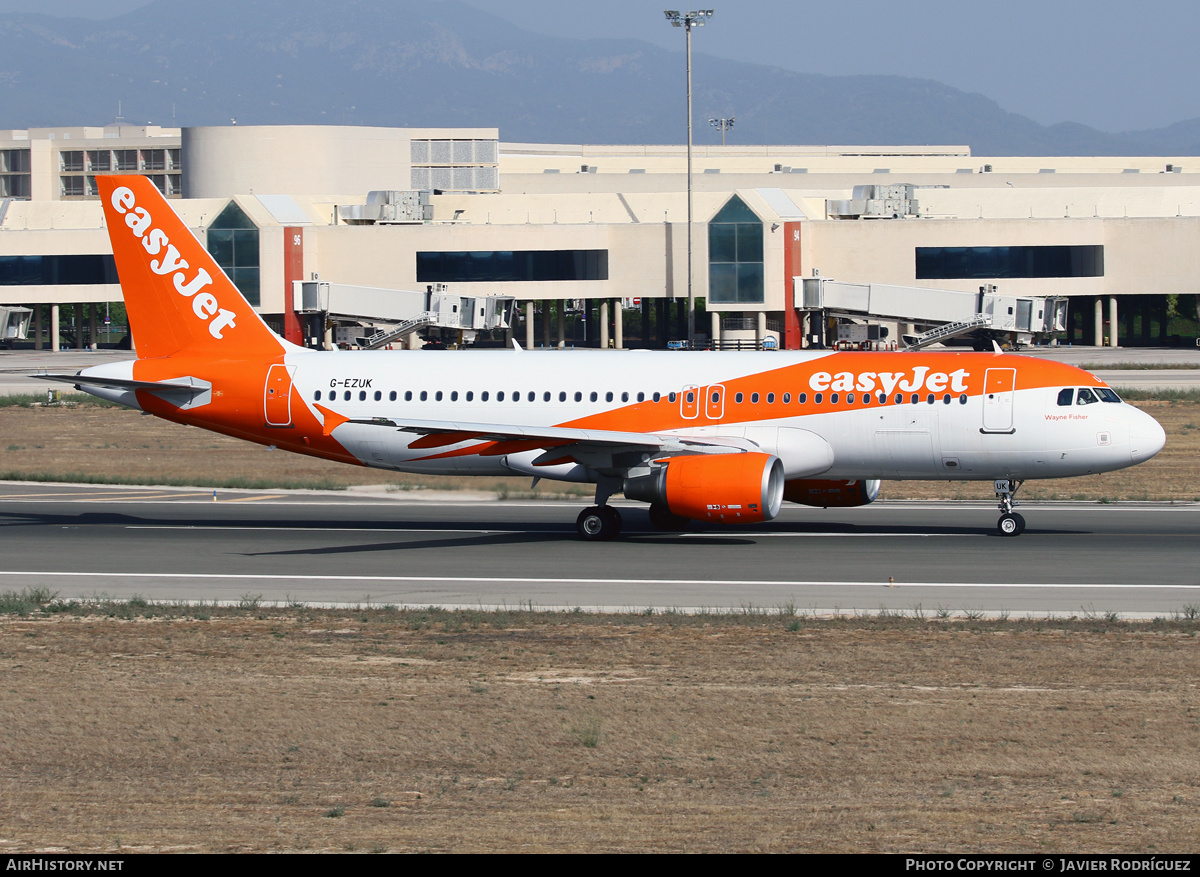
(719, 437)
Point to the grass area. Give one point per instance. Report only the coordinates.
(103, 444)
(382, 729)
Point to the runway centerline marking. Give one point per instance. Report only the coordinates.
(521, 580)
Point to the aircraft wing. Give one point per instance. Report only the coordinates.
(596, 447)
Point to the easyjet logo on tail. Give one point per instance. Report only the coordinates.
(156, 243)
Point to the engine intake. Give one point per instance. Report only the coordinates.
(730, 488)
(830, 494)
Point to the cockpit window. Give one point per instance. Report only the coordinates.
(1067, 396)
(1086, 397)
(1107, 395)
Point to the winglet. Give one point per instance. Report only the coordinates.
(517, 347)
(996, 347)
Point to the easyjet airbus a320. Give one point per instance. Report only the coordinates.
(718, 437)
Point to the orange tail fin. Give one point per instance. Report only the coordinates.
(177, 298)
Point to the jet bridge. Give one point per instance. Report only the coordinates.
(985, 315)
(370, 317)
(14, 324)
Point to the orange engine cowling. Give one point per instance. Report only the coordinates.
(830, 494)
(730, 488)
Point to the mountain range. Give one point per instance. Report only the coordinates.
(422, 63)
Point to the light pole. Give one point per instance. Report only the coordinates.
(723, 124)
(688, 20)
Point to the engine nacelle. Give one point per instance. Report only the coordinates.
(730, 488)
(830, 494)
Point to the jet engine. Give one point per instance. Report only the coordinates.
(728, 488)
(827, 494)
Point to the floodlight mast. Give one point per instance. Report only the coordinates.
(687, 21)
(723, 124)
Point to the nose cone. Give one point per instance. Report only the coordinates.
(1146, 437)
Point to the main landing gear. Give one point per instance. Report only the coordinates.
(1010, 523)
(599, 523)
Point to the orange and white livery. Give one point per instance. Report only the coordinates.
(722, 437)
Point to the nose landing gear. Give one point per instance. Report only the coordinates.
(1010, 523)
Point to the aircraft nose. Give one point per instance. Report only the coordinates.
(1146, 437)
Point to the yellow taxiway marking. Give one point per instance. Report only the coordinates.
(95, 495)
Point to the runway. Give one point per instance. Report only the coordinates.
(172, 544)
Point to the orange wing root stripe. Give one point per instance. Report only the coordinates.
(332, 420)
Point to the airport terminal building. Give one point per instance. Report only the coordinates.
(324, 227)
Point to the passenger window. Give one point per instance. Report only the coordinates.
(899, 398)
(483, 397)
(867, 399)
(424, 395)
(1067, 396)
(500, 396)
(770, 398)
(362, 395)
(641, 397)
(562, 396)
(546, 396)
(378, 395)
(392, 396)
(817, 398)
(608, 397)
(962, 400)
(849, 398)
(346, 398)
(787, 397)
(408, 395)
(624, 397)
(915, 398)
(946, 399)
(437, 397)
(656, 397)
(833, 398)
(754, 398)
(517, 396)
(578, 396)
(802, 398)
(883, 398)
(454, 395)
(317, 396)
(738, 398)
(470, 395)
(931, 398)
(672, 397)
(1086, 397)
(593, 396)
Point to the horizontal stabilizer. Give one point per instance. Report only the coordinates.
(186, 392)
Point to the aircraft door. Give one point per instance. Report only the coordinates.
(714, 402)
(277, 396)
(999, 386)
(689, 403)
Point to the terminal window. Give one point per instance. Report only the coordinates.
(507, 266)
(987, 263)
(232, 239)
(735, 255)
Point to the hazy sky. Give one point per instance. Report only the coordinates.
(1112, 64)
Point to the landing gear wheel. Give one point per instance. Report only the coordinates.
(662, 519)
(1011, 524)
(598, 523)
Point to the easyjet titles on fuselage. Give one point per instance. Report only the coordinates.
(204, 304)
(867, 382)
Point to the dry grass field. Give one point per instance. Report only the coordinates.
(117, 445)
(127, 728)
